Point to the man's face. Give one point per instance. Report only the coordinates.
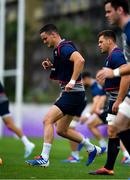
(111, 14)
(48, 39)
(103, 44)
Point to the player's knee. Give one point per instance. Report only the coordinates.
(9, 125)
(111, 132)
(46, 121)
(60, 132)
(90, 126)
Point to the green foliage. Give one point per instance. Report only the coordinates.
(46, 96)
(80, 34)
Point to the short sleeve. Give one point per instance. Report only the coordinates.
(117, 59)
(127, 33)
(67, 50)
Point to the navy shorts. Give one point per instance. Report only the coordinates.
(72, 103)
(4, 108)
(103, 116)
(109, 109)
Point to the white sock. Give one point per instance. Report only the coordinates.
(75, 154)
(89, 146)
(126, 154)
(102, 143)
(46, 151)
(25, 140)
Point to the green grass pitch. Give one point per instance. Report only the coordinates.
(14, 167)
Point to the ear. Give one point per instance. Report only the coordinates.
(109, 41)
(53, 34)
(120, 10)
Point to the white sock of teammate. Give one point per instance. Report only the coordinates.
(29, 146)
(46, 151)
(25, 140)
(102, 143)
(89, 146)
(75, 154)
(126, 154)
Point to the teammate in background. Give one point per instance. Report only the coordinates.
(8, 121)
(97, 115)
(74, 156)
(66, 68)
(117, 13)
(93, 120)
(117, 89)
(99, 112)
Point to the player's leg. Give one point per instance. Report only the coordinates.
(113, 148)
(113, 144)
(123, 123)
(92, 125)
(74, 155)
(64, 131)
(51, 117)
(126, 156)
(8, 121)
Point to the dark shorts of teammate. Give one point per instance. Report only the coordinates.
(72, 103)
(107, 109)
(4, 108)
(103, 116)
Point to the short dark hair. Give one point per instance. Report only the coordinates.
(49, 28)
(86, 74)
(119, 3)
(108, 34)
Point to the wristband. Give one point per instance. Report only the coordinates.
(116, 72)
(72, 81)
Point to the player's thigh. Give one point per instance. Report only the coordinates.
(121, 122)
(64, 122)
(53, 115)
(124, 108)
(8, 120)
(97, 121)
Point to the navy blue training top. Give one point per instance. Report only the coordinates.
(62, 66)
(126, 30)
(126, 40)
(97, 89)
(113, 61)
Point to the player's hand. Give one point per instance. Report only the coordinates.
(104, 73)
(116, 106)
(47, 64)
(100, 77)
(69, 86)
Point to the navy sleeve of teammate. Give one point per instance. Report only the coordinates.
(118, 59)
(127, 33)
